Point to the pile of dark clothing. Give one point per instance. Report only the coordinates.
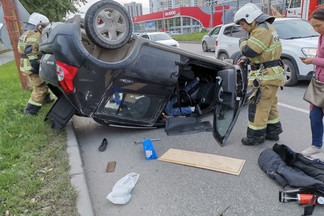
(291, 169)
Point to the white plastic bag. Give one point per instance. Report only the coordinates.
(121, 192)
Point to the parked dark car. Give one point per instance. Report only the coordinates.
(101, 72)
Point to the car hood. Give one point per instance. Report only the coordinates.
(301, 42)
(168, 42)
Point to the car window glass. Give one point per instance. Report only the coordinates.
(133, 106)
(157, 37)
(238, 32)
(227, 30)
(216, 31)
(145, 36)
(291, 29)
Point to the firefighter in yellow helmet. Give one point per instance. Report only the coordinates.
(263, 51)
(29, 63)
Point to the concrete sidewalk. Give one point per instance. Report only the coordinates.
(6, 57)
(78, 180)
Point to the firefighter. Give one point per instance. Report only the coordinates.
(262, 49)
(29, 63)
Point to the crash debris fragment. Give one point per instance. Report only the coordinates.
(111, 166)
(103, 145)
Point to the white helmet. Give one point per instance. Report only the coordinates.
(249, 12)
(36, 18)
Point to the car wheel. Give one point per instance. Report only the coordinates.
(236, 56)
(108, 24)
(204, 46)
(222, 56)
(289, 72)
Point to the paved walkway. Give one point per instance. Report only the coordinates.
(6, 57)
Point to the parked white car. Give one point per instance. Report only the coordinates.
(297, 37)
(208, 41)
(227, 42)
(161, 37)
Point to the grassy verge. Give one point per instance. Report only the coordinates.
(196, 37)
(4, 51)
(34, 167)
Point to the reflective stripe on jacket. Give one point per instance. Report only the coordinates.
(28, 48)
(263, 46)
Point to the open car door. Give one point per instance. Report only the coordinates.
(231, 98)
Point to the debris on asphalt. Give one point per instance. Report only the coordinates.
(121, 192)
(111, 166)
(152, 140)
(222, 214)
(103, 145)
(149, 150)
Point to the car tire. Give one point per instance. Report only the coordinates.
(290, 72)
(108, 24)
(222, 56)
(204, 46)
(236, 56)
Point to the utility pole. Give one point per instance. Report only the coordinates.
(163, 5)
(211, 2)
(10, 16)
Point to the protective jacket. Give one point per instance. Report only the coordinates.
(263, 49)
(264, 46)
(28, 48)
(289, 168)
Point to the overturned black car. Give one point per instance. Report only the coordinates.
(97, 69)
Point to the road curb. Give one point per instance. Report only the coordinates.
(78, 179)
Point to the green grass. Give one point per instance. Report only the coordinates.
(190, 37)
(4, 51)
(34, 166)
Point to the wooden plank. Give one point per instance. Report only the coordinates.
(202, 160)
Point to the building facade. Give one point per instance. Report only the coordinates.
(188, 16)
(134, 9)
(184, 20)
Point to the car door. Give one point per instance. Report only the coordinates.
(236, 34)
(212, 38)
(231, 96)
(139, 92)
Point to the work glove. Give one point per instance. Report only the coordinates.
(256, 95)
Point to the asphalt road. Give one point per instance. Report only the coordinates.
(169, 189)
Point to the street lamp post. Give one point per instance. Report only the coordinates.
(163, 4)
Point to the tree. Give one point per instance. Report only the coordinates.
(55, 10)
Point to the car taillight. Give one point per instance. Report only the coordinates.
(65, 75)
(216, 43)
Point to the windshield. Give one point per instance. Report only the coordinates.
(291, 29)
(157, 37)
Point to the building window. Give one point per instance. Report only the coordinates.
(186, 21)
(178, 21)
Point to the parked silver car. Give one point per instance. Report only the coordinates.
(297, 37)
(161, 37)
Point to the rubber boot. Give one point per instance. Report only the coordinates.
(48, 99)
(31, 109)
(253, 137)
(274, 137)
(250, 141)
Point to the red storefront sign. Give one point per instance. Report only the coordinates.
(199, 13)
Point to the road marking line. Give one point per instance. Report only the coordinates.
(293, 108)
